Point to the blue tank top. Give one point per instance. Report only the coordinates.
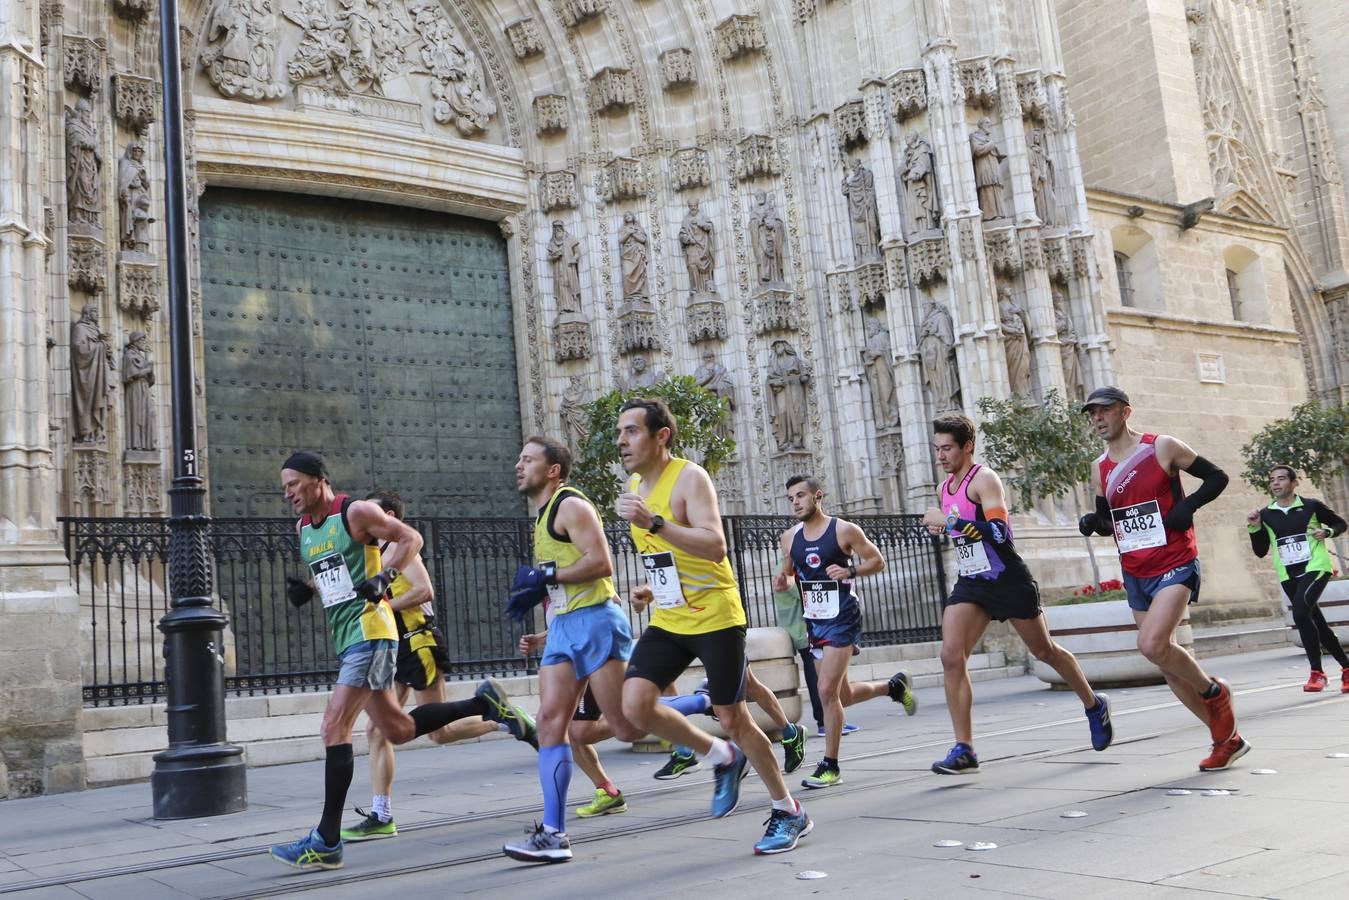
(812, 560)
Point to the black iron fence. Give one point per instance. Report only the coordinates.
(119, 568)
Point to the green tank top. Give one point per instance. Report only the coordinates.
(338, 563)
(551, 547)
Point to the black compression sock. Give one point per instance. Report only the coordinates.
(1214, 689)
(830, 763)
(430, 716)
(337, 774)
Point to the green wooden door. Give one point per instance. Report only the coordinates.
(380, 336)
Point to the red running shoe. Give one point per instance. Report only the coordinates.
(1344, 681)
(1316, 682)
(1222, 721)
(1225, 754)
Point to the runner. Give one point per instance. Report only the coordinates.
(993, 583)
(672, 509)
(1152, 522)
(818, 550)
(1299, 527)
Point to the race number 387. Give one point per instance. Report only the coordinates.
(663, 578)
(1138, 527)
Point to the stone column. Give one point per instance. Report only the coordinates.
(40, 743)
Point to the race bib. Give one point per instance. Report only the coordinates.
(971, 557)
(1138, 527)
(332, 579)
(549, 610)
(1294, 549)
(557, 596)
(663, 578)
(819, 599)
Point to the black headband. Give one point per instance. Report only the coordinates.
(308, 462)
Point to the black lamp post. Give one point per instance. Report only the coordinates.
(199, 774)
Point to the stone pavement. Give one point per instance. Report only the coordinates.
(1282, 834)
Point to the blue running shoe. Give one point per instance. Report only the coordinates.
(1098, 717)
(309, 852)
(848, 728)
(726, 797)
(784, 830)
(959, 761)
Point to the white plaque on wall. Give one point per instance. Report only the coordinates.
(1211, 368)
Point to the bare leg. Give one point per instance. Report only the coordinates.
(739, 724)
(961, 627)
(1157, 642)
(759, 693)
(1035, 633)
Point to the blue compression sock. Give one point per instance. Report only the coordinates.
(688, 705)
(555, 766)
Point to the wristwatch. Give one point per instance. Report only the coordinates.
(657, 523)
(549, 570)
(852, 571)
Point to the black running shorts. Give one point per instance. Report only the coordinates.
(1002, 598)
(421, 658)
(662, 656)
(588, 710)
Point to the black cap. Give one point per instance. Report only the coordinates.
(308, 462)
(1104, 396)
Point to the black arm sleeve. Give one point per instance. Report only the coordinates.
(1260, 539)
(1214, 480)
(1329, 518)
(1097, 522)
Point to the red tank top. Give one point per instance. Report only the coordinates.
(1140, 494)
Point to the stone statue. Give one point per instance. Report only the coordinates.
(1041, 176)
(988, 170)
(84, 163)
(642, 376)
(713, 376)
(633, 251)
(769, 239)
(1015, 342)
(241, 37)
(936, 346)
(575, 418)
(860, 188)
(91, 360)
(695, 237)
(788, 376)
(133, 199)
(1068, 348)
(877, 359)
(918, 176)
(138, 376)
(564, 253)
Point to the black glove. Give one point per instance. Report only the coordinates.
(1088, 524)
(376, 586)
(298, 591)
(1180, 518)
(1098, 522)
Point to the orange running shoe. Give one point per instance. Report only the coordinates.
(1316, 682)
(1222, 721)
(1344, 681)
(1225, 754)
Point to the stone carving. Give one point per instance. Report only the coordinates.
(980, 82)
(564, 256)
(1041, 176)
(788, 376)
(84, 165)
(896, 267)
(878, 361)
(637, 329)
(775, 310)
(1000, 246)
(575, 417)
(714, 377)
(739, 35)
(85, 264)
(705, 319)
(612, 90)
(135, 101)
(634, 252)
(138, 288)
(850, 124)
(929, 259)
(1030, 88)
(641, 376)
(859, 186)
(89, 488)
(133, 10)
(571, 338)
(133, 201)
(690, 168)
(82, 59)
(1032, 250)
(91, 360)
(240, 55)
(33, 84)
(526, 38)
(550, 113)
(768, 237)
(138, 376)
(1068, 348)
(676, 68)
(891, 447)
(919, 178)
(1015, 329)
(1058, 258)
(908, 93)
(624, 179)
(869, 283)
(1082, 254)
(697, 238)
(988, 170)
(965, 228)
(937, 348)
(574, 12)
(557, 190)
(756, 155)
(142, 488)
(458, 83)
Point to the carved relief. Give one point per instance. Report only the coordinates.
(936, 348)
(1032, 251)
(739, 35)
(550, 113)
(929, 260)
(142, 488)
(82, 61)
(788, 378)
(981, 85)
(775, 310)
(574, 12)
(637, 330)
(897, 266)
(138, 288)
(133, 202)
(878, 361)
(1082, 255)
(756, 155)
(84, 166)
(769, 240)
(240, 56)
(85, 264)
(676, 68)
(1000, 245)
(1058, 258)
(624, 178)
(988, 159)
(135, 101)
(51, 15)
(1034, 99)
(526, 38)
(91, 359)
(697, 239)
(34, 87)
(138, 377)
(640, 375)
(705, 320)
(869, 283)
(557, 190)
(612, 90)
(918, 172)
(89, 488)
(908, 93)
(850, 124)
(133, 10)
(859, 187)
(690, 168)
(458, 84)
(571, 339)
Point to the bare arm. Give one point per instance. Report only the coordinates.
(1173, 454)
(854, 542)
(369, 523)
(578, 522)
(784, 576)
(419, 584)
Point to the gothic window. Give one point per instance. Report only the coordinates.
(1126, 279)
(1234, 293)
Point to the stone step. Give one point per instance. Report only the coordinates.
(1261, 635)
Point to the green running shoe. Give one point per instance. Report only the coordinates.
(901, 691)
(500, 709)
(677, 765)
(371, 828)
(531, 733)
(603, 805)
(793, 748)
(824, 777)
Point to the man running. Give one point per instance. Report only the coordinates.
(589, 637)
(1298, 528)
(420, 669)
(339, 543)
(1142, 505)
(819, 550)
(671, 506)
(992, 583)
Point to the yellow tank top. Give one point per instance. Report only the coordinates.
(699, 595)
(413, 619)
(565, 598)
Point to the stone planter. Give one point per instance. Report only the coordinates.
(1104, 638)
(1334, 606)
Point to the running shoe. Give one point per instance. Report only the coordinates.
(542, 846)
(1225, 754)
(784, 830)
(824, 777)
(677, 765)
(1222, 719)
(901, 691)
(848, 728)
(603, 805)
(1344, 681)
(1098, 719)
(961, 760)
(499, 709)
(1316, 682)
(793, 748)
(371, 828)
(309, 852)
(726, 797)
(531, 732)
